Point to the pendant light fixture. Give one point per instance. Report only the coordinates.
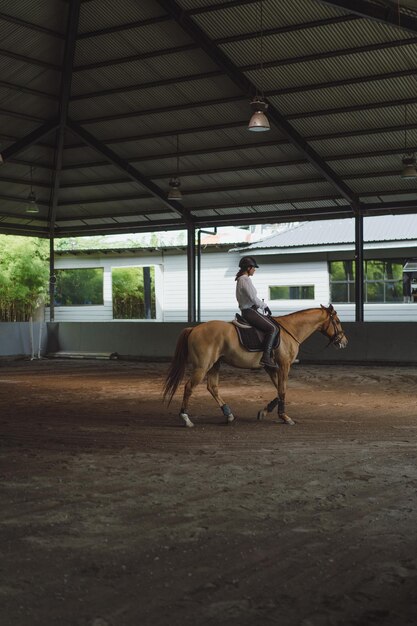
(31, 205)
(259, 121)
(175, 182)
(409, 158)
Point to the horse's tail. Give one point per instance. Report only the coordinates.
(177, 367)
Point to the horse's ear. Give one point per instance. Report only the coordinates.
(331, 308)
(323, 307)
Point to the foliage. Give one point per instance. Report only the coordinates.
(24, 276)
(129, 293)
(383, 281)
(79, 286)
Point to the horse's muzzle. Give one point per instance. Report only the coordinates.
(340, 341)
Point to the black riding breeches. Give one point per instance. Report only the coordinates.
(261, 322)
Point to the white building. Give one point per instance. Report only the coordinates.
(304, 266)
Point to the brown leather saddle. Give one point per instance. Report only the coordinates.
(250, 337)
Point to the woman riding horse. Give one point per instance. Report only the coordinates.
(249, 304)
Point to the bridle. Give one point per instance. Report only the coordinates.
(338, 334)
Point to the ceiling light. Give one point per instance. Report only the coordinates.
(409, 157)
(259, 122)
(175, 191)
(175, 183)
(409, 166)
(31, 205)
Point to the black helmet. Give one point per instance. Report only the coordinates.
(246, 262)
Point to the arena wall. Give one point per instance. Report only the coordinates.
(369, 342)
(374, 342)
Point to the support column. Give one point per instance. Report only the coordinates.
(359, 274)
(52, 279)
(191, 272)
(147, 292)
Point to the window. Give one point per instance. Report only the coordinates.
(383, 281)
(291, 292)
(79, 287)
(133, 293)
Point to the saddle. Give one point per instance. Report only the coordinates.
(250, 337)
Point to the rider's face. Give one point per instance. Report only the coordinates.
(251, 271)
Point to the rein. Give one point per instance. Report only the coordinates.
(324, 331)
(288, 332)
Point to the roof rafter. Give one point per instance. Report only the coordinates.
(64, 94)
(15, 20)
(126, 167)
(225, 65)
(387, 14)
(30, 60)
(354, 80)
(28, 90)
(279, 30)
(34, 137)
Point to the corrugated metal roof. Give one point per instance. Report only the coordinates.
(331, 232)
(142, 78)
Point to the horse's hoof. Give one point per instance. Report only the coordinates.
(287, 420)
(230, 418)
(187, 422)
(261, 415)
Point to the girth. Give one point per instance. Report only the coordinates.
(251, 338)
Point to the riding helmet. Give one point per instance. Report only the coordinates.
(246, 262)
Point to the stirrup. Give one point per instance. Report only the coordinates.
(268, 362)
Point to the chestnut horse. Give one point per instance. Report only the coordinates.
(206, 346)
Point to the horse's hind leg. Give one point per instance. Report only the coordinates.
(213, 387)
(194, 380)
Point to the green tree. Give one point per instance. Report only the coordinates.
(79, 286)
(128, 293)
(24, 276)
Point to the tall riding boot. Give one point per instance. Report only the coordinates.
(266, 357)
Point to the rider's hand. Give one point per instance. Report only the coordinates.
(268, 310)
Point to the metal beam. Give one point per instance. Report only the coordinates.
(359, 270)
(20, 116)
(126, 167)
(21, 201)
(64, 94)
(260, 144)
(390, 15)
(27, 90)
(29, 60)
(356, 80)
(191, 273)
(30, 139)
(221, 41)
(271, 64)
(29, 25)
(184, 106)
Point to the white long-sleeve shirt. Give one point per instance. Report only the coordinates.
(246, 294)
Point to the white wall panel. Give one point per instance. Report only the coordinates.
(218, 270)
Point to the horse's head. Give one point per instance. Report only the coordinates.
(332, 328)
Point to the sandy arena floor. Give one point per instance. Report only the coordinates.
(113, 514)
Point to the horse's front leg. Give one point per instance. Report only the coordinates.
(282, 387)
(273, 375)
(213, 387)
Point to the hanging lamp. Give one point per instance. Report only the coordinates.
(31, 205)
(409, 158)
(259, 121)
(175, 183)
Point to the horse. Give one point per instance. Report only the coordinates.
(206, 346)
